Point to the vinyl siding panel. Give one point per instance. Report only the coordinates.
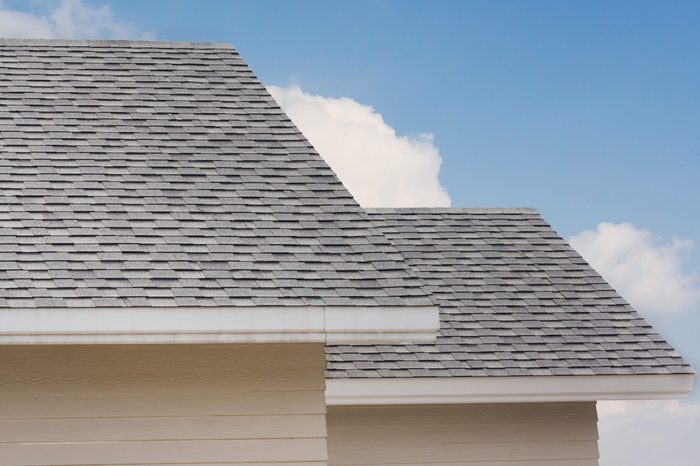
(517, 434)
(162, 404)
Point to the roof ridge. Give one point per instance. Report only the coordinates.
(452, 210)
(111, 43)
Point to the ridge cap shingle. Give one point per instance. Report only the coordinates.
(116, 43)
(452, 210)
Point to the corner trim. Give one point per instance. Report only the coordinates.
(265, 324)
(445, 390)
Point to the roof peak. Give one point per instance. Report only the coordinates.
(110, 43)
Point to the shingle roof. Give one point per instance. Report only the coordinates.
(515, 299)
(164, 174)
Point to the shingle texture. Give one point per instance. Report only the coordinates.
(162, 174)
(515, 299)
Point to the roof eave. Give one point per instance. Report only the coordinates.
(518, 389)
(265, 324)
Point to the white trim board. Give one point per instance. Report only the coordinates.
(443, 390)
(321, 324)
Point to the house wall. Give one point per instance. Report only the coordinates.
(547, 434)
(162, 404)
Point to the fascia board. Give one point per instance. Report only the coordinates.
(446, 390)
(320, 324)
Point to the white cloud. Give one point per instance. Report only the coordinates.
(648, 433)
(647, 273)
(71, 19)
(378, 166)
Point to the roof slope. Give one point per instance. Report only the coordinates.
(164, 174)
(515, 299)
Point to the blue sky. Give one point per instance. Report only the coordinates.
(588, 111)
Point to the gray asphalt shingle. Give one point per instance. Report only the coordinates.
(164, 174)
(515, 299)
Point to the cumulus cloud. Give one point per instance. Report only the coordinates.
(70, 19)
(380, 167)
(649, 273)
(648, 433)
(646, 272)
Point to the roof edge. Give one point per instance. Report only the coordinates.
(265, 324)
(517, 389)
(111, 43)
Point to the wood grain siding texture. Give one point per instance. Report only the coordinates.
(504, 434)
(179, 405)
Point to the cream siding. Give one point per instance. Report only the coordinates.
(512, 434)
(162, 404)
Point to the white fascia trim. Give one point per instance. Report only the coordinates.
(268, 324)
(443, 390)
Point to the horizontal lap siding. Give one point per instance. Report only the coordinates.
(528, 434)
(146, 405)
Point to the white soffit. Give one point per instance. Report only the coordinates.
(319, 324)
(443, 390)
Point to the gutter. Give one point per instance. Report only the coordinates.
(514, 389)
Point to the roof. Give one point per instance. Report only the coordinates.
(515, 300)
(164, 174)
